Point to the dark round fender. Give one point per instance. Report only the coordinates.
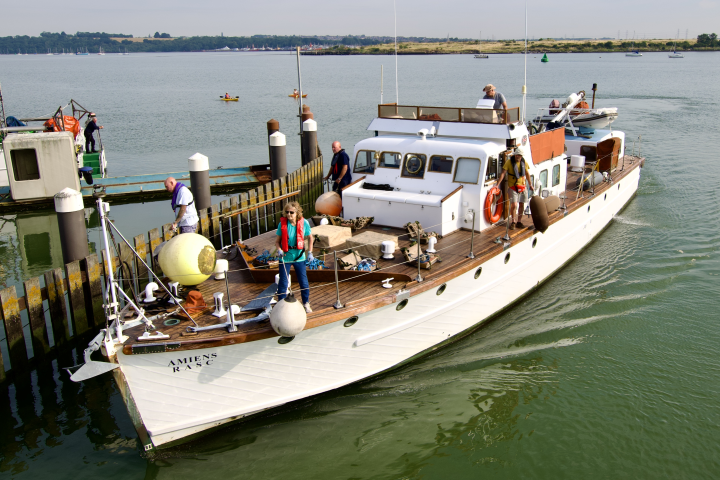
(539, 213)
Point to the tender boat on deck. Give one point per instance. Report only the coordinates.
(580, 114)
(432, 165)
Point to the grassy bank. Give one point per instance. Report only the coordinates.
(509, 46)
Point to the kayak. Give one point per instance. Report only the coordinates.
(229, 99)
(296, 96)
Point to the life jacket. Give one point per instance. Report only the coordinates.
(518, 174)
(176, 194)
(299, 230)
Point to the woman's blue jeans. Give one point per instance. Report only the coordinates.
(302, 280)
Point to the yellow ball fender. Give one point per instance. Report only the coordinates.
(188, 259)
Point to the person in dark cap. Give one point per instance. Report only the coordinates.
(89, 130)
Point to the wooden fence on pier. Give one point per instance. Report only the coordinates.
(62, 309)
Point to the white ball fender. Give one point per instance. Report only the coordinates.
(188, 259)
(288, 317)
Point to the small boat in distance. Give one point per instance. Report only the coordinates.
(675, 53)
(101, 52)
(480, 54)
(632, 52)
(295, 95)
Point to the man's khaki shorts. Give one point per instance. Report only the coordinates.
(516, 197)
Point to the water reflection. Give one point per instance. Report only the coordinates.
(30, 244)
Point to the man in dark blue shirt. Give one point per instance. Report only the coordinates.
(89, 130)
(339, 168)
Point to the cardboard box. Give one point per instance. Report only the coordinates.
(330, 236)
(368, 244)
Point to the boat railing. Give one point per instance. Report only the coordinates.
(449, 114)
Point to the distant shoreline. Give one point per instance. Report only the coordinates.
(535, 47)
(329, 52)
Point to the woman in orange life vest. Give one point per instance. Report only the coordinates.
(292, 245)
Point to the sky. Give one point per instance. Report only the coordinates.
(422, 18)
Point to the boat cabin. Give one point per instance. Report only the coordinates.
(40, 164)
(439, 163)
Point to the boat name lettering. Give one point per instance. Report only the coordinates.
(188, 363)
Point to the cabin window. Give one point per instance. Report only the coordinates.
(390, 160)
(543, 179)
(414, 166)
(440, 164)
(467, 170)
(25, 164)
(556, 175)
(364, 162)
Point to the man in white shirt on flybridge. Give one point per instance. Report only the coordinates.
(186, 217)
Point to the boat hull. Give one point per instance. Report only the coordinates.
(173, 395)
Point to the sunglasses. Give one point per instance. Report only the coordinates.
(289, 212)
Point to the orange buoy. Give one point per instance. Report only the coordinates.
(491, 216)
(329, 203)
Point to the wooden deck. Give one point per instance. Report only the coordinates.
(356, 295)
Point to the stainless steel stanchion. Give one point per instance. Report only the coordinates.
(472, 236)
(337, 284)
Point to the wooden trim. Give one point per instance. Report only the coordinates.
(451, 194)
(353, 183)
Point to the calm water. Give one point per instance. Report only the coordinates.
(610, 369)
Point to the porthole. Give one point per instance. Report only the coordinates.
(507, 257)
(441, 289)
(171, 321)
(401, 305)
(478, 272)
(605, 197)
(350, 321)
(534, 242)
(588, 208)
(284, 340)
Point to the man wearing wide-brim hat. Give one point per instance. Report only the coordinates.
(492, 94)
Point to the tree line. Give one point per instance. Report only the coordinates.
(57, 42)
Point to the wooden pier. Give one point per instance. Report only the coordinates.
(63, 308)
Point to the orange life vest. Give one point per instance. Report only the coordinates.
(299, 230)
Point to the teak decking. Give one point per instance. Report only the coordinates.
(357, 296)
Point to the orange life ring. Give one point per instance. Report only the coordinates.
(491, 216)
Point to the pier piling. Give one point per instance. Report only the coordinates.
(278, 159)
(71, 223)
(199, 167)
(309, 141)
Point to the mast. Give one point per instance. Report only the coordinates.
(524, 87)
(397, 94)
(381, 84)
(299, 91)
(3, 122)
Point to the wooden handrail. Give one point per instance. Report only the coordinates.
(451, 194)
(353, 183)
